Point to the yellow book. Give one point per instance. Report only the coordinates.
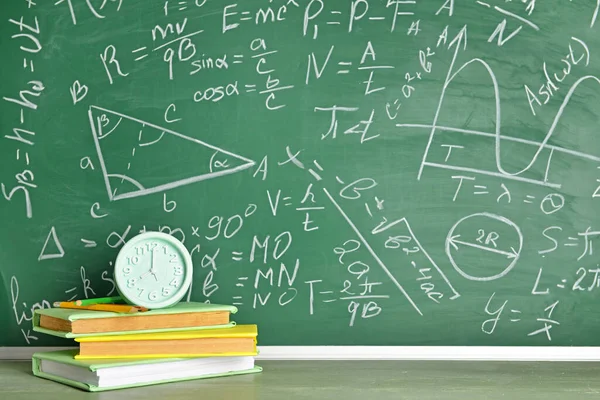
(240, 340)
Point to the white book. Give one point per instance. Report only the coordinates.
(99, 375)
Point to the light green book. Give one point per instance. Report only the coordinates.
(92, 376)
(74, 323)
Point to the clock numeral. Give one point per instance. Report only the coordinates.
(174, 258)
(139, 250)
(153, 295)
(133, 260)
(131, 282)
(174, 282)
(165, 249)
(127, 270)
(166, 291)
(141, 292)
(178, 270)
(151, 246)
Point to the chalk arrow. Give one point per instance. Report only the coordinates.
(454, 242)
(460, 38)
(195, 249)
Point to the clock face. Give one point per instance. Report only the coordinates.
(153, 270)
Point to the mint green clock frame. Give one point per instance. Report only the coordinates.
(153, 270)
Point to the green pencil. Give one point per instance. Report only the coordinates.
(100, 300)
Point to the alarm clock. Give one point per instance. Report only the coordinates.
(153, 270)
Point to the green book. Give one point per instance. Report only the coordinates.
(92, 376)
(74, 323)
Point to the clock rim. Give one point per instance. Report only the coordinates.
(187, 265)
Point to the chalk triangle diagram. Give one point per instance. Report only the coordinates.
(45, 254)
(138, 158)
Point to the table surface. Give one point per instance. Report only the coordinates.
(344, 380)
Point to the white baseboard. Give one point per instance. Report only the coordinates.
(466, 353)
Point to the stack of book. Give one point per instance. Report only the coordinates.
(126, 349)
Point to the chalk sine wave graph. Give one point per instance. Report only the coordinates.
(500, 170)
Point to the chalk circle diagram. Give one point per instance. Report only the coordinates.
(484, 254)
(139, 158)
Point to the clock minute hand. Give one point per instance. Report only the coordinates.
(152, 262)
(151, 267)
(152, 271)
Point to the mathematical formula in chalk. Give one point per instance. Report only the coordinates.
(407, 172)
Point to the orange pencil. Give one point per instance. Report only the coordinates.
(120, 308)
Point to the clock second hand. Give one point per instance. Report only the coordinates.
(147, 273)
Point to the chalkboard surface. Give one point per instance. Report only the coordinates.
(344, 172)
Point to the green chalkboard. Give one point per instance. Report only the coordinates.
(367, 172)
